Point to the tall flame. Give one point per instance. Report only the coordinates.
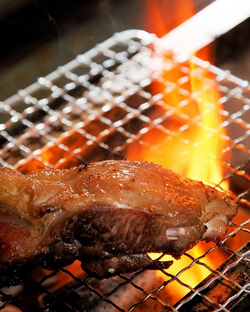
(192, 146)
(195, 138)
(208, 140)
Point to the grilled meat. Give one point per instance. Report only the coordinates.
(108, 215)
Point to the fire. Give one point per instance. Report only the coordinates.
(192, 144)
(160, 18)
(193, 147)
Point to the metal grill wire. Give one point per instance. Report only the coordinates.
(98, 107)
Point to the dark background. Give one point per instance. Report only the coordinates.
(37, 36)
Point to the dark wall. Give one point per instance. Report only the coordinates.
(37, 36)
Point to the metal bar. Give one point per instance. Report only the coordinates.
(123, 36)
(235, 274)
(207, 25)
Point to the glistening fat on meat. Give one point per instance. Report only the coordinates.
(108, 215)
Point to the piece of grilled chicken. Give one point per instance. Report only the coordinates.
(108, 215)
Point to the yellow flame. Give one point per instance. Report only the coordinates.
(208, 143)
(194, 143)
(193, 148)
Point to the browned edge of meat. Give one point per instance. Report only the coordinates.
(107, 214)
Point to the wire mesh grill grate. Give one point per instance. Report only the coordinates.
(116, 101)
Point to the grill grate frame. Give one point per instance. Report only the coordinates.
(97, 107)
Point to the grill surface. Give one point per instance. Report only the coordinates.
(102, 105)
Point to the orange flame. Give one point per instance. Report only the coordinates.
(193, 147)
(191, 144)
(194, 138)
(163, 17)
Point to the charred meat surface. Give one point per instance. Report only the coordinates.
(108, 215)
